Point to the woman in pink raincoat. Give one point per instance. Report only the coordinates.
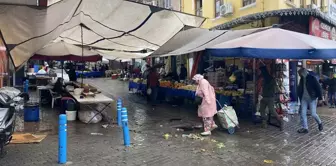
(208, 108)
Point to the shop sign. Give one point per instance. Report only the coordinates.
(321, 29)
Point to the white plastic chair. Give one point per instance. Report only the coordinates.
(54, 97)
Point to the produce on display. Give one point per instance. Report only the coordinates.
(166, 84)
(188, 87)
(229, 92)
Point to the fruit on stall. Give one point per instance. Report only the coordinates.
(166, 84)
(229, 93)
(178, 85)
(188, 87)
(136, 80)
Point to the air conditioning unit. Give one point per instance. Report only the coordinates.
(226, 9)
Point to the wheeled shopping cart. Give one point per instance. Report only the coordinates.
(228, 118)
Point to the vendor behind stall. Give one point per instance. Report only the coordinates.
(58, 86)
(172, 76)
(183, 72)
(72, 73)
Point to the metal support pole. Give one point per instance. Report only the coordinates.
(254, 85)
(124, 118)
(62, 139)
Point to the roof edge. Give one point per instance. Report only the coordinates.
(283, 12)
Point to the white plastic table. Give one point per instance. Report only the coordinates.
(99, 98)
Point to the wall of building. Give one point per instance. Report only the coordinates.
(209, 8)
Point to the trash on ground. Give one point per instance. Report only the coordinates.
(27, 138)
(97, 134)
(184, 128)
(193, 136)
(203, 150)
(213, 140)
(178, 129)
(268, 161)
(105, 126)
(161, 125)
(220, 145)
(166, 136)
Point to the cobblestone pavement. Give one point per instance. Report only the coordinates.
(250, 145)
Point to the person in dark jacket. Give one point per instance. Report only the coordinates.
(153, 84)
(309, 91)
(183, 73)
(332, 90)
(72, 73)
(58, 86)
(268, 100)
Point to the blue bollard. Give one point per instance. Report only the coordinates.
(127, 141)
(62, 139)
(119, 105)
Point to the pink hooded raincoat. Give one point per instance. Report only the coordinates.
(208, 107)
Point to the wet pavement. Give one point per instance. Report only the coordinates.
(250, 145)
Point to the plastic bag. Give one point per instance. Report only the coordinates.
(258, 106)
(42, 71)
(10, 91)
(89, 116)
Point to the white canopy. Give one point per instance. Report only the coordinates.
(194, 40)
(63, 49)
(118, 25)
(117, 55)
(276, 43)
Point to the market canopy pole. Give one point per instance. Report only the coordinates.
(82, 54)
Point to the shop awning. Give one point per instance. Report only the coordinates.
(64, 51)
(276, 43)
(194, 40)
(124, 56)
(118, 25)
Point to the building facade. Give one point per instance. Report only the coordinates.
(219, 12)
(168, 4)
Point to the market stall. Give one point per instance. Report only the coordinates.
(186, 91)
(89, 74)
(288, 45)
